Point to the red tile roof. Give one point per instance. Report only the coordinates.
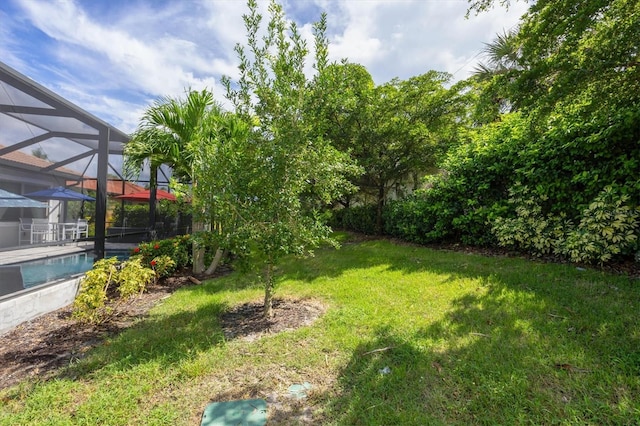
(114, 186)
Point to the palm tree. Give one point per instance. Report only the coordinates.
(504, 62)
(503, 55)
(166, 130)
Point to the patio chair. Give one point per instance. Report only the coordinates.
(40, 230)
(24, 231)
(82, 227)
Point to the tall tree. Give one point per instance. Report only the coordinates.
(502, 55)
(413, 122)
(279, 165)
(340, 106)
(585, 50)
(395, 131)
(493, 78)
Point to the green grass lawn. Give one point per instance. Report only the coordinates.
(467, 339)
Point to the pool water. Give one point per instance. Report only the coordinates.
(26, 275)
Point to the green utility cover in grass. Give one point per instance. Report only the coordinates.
(250, 412)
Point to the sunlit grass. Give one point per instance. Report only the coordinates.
(467, 340)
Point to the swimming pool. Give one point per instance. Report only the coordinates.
(14, 278)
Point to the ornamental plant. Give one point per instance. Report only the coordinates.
(608, 227)
(177, 248)
(108, 284)
(530, 230)
(90, 304)
(133, 278)
(163, 266)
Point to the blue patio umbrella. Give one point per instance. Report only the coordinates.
(9, 199)
(59, 193)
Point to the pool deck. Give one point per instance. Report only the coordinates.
(26, 254)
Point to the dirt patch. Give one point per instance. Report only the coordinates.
(247, 321)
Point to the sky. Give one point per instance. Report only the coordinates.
(114, 58)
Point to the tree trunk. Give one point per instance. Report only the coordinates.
(379, 210)
(197, 252)
(268, 292)
(153, 185)
(215, 262)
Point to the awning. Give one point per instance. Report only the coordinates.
(9, 199)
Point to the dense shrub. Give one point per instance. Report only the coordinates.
(413, 219)
(608, 227)
(459, 202)
(530, 230)
(359, 219)
(556, 173)
(177, 248)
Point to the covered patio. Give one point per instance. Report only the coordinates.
(46, 142)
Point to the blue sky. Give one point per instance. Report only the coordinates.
(113, 58)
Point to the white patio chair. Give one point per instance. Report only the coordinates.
(40, 230)
(82, 227)
(24, 230)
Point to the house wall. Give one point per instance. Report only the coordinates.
(9, 234)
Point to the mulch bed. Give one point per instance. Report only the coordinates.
(247, 321)
(38, 348)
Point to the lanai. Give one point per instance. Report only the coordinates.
(33, 116)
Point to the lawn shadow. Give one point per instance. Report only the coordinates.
(384, 382)
(550, 341)
(548, 352)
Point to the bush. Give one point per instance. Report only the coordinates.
(90, 304)
(358, 219)
(178, 249)
(411, 219)
(566, 163)
(608, 227)
(530, 230)
(163, 266)
(106, 279)
(133, 277)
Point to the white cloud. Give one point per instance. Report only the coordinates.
(114, 60)
(407, 38)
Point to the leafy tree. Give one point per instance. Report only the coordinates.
(340, 106)
(275, 169)
(570, 156)
(395, 131)
(581, 55)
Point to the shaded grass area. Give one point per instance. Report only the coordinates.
(465, 339)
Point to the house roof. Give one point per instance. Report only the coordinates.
(21, 159)
(114, 186)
